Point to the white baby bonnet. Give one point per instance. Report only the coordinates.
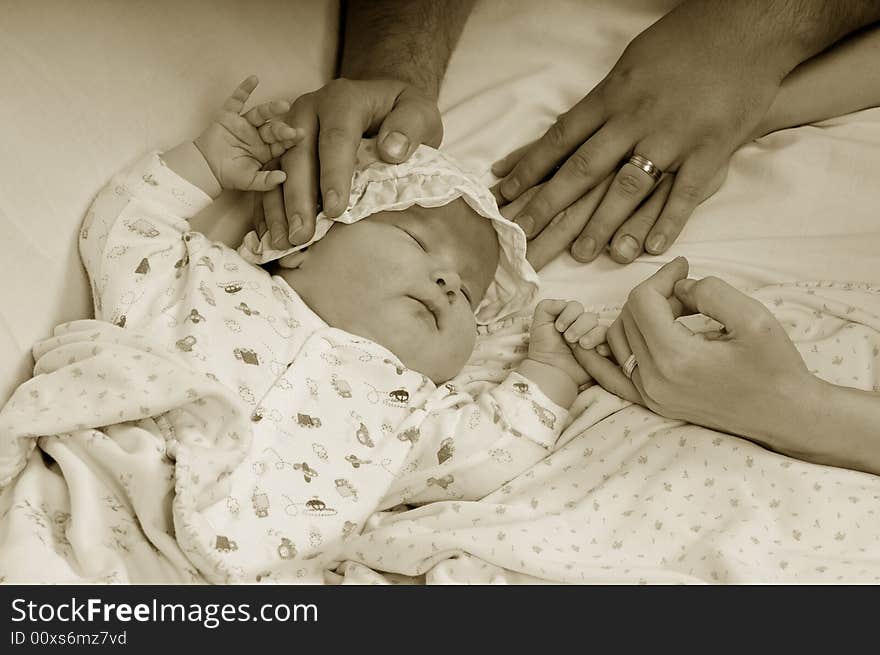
(428, 179)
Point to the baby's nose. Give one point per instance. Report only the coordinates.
(449, 281)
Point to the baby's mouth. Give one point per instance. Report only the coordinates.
(431, 309)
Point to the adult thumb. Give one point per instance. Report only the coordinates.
(414, 119)
(718, 300)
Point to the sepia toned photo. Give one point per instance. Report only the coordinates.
(572, 292)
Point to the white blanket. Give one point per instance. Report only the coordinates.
(629, 497)
(635, 498)
(102, 510)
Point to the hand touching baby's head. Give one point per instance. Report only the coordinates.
(409, 280)
(418, 259)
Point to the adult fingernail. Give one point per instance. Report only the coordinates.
(510, 187)
(396, 144)
(583, 249)
(526, 223)
(657, 243)
(627, 247)
(331, 199)
(294, 223)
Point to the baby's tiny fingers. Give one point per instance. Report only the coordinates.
(275, 131)
(268, 132)
(279, 148)
(604, 350)
(258, 115)
(235, 102)
(285, 132)
(547, 310)
(279, 107)
(569, 315)
(593, 338)
(582, 324)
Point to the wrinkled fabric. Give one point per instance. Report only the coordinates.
(630, 497)
(272, 436)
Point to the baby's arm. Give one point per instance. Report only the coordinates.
(133, 240)
(465, 447)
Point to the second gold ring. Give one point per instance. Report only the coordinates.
(646, 165)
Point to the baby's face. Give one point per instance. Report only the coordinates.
(409, 280)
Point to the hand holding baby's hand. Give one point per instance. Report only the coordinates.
(237, 146)
(558, 325)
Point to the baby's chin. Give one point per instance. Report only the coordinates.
(436, 371)
(435, 362)
(438, 360)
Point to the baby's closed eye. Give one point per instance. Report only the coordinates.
(464, 287)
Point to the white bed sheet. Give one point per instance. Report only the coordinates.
(798, 204)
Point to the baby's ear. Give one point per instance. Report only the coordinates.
(294, 259)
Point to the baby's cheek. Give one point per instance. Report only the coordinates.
(465, 338)
(440, 357)
(401, 331)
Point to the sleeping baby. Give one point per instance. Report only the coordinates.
(344, 356)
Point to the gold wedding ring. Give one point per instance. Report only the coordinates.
(629, 366)
(645, 164)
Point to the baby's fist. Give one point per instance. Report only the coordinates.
(579, 327)
(556, 325)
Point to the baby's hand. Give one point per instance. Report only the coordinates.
(558, 325)
(237, 146)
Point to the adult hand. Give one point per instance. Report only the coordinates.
(565, 227)
(735, 379)
(685, 94)
(334, 119)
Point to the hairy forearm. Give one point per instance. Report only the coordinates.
(780, 34)
(839, 81)
(831, 425)
(407, 40)
(817, 24)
